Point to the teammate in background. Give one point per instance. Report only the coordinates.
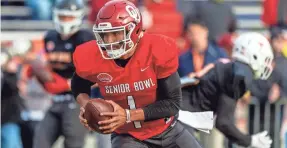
(137, 73)
(11, 102)
(252, 59)
(62, 117)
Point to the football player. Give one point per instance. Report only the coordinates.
(137, 74)
(252, 59)
(62, 117)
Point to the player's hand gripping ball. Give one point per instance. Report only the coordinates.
(93, 109)
(117, 118)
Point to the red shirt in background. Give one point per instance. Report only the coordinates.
(270, 12)
(96, 5)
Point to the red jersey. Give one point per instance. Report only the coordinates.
(133, 86)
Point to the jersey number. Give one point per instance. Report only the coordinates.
(132, 104)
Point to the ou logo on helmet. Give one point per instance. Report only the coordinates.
(134, 13)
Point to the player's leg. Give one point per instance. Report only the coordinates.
(103, 140)
(48, 130)
(126, 141)
(27, 133)
(179, 137)
(73, 131)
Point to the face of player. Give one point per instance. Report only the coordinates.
(67, 22)
(198, 36)
(116, 41)
(278, 43)
(113, 37)
(66, 18)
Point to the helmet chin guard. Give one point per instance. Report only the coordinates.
(115, 49)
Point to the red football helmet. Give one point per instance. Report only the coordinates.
(118, 28)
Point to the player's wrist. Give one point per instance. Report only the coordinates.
(128, 115)
(69, 81)
(83, 99)
(137, 115)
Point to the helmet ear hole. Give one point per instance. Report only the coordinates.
(255, 57)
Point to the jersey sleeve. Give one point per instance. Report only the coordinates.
(165, 57)
(83, 59)
(224, 122)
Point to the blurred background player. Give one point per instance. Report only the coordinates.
(59, 44)
(253, 58)
(276, 86)
(35, 99)
(279, 43)
(11, 102)
(144, 116)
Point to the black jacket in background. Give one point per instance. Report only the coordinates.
(11, 102)
(218, 91)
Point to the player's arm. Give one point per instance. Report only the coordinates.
(51, 81)
(37, 66)
(81, 89)
(224, 122)
(169, 87)
(166, 105)
(167, 102)
(226, 108)
(168, 99)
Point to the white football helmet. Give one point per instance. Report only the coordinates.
(254, 50)
(71, 8)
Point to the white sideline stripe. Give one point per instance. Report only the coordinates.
(250, 24)
(12, 35)
(22, 10)
(30, 24)
(247, 10)
(15, 10)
